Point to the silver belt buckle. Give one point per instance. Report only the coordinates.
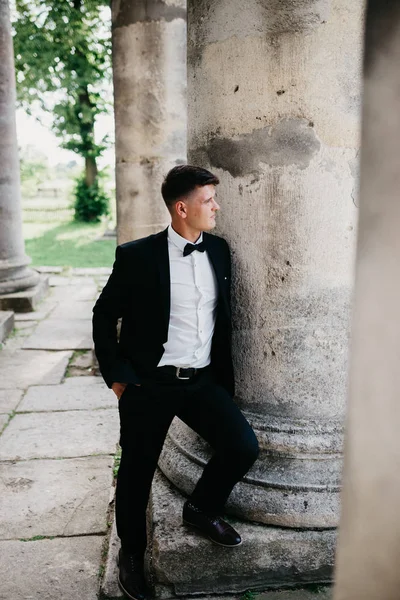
(178, 369)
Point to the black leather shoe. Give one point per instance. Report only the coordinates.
(131, 576)
(214, 527)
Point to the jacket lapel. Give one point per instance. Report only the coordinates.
(162, 260)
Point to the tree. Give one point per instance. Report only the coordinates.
(63, 61)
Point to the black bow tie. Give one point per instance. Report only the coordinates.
(189, 248)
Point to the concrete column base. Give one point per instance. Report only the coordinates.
(183, 563)
(295, 482)
(27, 300)
(16, 275)
(6, 324)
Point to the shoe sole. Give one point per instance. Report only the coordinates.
(210, 538)
(125, 592)
(122, 587)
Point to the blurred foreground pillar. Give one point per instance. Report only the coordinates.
(274, 111)
(14, 272)
(369, 542)
(149, 66)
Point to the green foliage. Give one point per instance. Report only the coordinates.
(91, 201)
(248, 595)
(63, 64)
(36, 538)
(117, 461)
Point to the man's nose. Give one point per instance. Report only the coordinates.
(216, 205)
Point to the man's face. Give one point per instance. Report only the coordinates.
(201, 208)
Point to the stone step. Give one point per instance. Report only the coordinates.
(183, 564)
(6, 323)
(27, 300)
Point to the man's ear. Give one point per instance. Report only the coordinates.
(180, 209)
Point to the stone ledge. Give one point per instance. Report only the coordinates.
(110, 590)
(283, 493)
(27, 300)
(185, 564)
(182, 564)
(6, 324)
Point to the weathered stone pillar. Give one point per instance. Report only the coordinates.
(149, 63)
(369, 550)
(274, 97)
(14, 273)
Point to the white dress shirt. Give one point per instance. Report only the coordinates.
(194, 295)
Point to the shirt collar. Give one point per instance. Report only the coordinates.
(180, 241)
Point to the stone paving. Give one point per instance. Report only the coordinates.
(57, 444)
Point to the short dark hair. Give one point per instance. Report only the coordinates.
(182, 180)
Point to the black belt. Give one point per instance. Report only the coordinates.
(181, 373)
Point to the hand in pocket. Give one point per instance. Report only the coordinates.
(118, 388)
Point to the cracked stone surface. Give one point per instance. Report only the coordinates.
(56, 451)
(73, 310)
(88, 380)
(60, 434)
(92, 271)
(3, 420)
(83, 360)
(62, 569)
(57, 334)
(22, 368)
(32, 501)
(9, 400)
(26, 326)
(68, 397)
(60, 280)
(49, 269)
(75, 292)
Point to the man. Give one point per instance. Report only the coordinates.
(173, 357)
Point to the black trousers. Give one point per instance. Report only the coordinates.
(146, 413)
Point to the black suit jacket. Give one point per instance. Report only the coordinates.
(138, 290)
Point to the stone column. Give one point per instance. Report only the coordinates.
(149, 62)
(368, 553)
(274, 98)
(14, 273)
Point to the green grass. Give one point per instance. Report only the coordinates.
(68, 245)
(248, 595)
(36, 538)
(117, 460)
